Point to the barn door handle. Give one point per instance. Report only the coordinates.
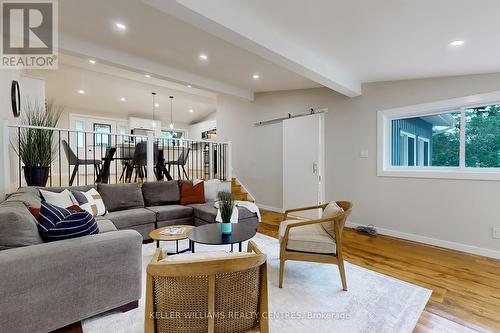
(315, 167)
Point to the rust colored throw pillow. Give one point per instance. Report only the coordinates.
(75, 208)
(192, 194)
(36, 211)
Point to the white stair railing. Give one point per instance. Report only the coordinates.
(89, 157)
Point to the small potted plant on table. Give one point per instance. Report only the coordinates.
(226, 206)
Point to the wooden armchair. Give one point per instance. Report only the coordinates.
(317, 240)
(207, 292)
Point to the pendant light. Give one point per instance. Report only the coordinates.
(171, 111)
(154, 106)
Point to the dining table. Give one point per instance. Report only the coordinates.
(126, 155)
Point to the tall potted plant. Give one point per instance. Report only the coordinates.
(35, 146)
(226, 206)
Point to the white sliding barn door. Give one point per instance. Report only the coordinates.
(303, 163)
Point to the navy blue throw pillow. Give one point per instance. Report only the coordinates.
(56, 223)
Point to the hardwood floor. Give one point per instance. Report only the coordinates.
(466, 288)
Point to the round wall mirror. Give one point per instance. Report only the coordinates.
(15, 97)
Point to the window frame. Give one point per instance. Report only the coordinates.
(80, 135)
(102, 135)
(166, 142)
(461, 104)
(407, 145)
(424, 141)
(122, 138)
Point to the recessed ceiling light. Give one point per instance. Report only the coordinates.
(121, 26)
(157, 105)
(123, 99)
(147, 75)
(191, 110)
(81, 92)
(457, 43)
(203, 56)
(189, 86)
(256, 76)
(92, 61)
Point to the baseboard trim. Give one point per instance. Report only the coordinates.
(270, 208)
(434, 241)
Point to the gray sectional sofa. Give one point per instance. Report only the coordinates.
(45, 286)
(154, 205)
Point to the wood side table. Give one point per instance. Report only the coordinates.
(157, 236)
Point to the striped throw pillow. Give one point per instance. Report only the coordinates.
(56, 223)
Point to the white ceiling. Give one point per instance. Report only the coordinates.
(105, 85)
(374, 40)
(291, 43)
(158, 37)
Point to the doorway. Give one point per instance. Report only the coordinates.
(303, 163)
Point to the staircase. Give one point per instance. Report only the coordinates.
(238, 192)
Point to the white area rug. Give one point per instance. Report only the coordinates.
(374, 302)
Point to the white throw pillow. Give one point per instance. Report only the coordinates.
(331, 210)
(211, 189)
(225, 187)
(63, 199)
(90, 201)
(197, 181)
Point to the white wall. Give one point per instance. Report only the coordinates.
(69, 116)
(208, 123)
(6, 77)
(112, 117)
(178, 126)
(256, 151)
(459, 211)
(135, 122)
(32, 89)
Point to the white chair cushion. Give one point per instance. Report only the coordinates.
(309, 238)
(330, 210)
(205, 256)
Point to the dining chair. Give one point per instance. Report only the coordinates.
(227, 290)
(317, 240)
(140, 161)
(180, 162)
(74, 161)
(126, 154)
(103, 176)
(161, 170)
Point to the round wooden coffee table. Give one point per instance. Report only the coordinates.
(157, 236)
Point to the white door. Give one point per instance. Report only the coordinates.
(303, 163)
